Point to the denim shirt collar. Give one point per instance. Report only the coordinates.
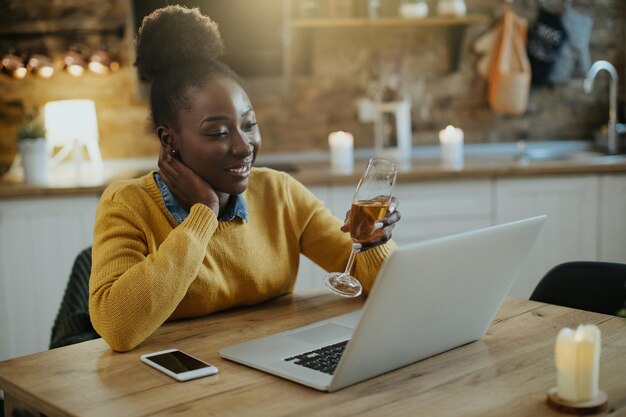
(236, 205)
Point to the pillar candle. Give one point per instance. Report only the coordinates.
(451, 140)
(577, 356)
(341, 152)
(451, 8)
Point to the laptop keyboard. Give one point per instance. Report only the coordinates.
(324, 359)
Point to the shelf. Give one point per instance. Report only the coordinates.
(304, 30)
(43, 28)
(386, 22)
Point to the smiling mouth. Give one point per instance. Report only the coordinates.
(244, 169)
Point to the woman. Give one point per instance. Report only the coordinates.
(207, 231)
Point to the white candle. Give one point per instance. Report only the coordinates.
(414, 10)
(451, 140)
(451, 8)
(577, 356)
(341, 152)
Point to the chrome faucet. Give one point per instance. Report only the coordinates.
(612, 144)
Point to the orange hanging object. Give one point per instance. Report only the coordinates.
(509, 73)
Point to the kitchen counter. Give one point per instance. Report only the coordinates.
(583, 198)
(474, 167)
(312, 168)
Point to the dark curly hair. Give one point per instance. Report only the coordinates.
(178, 49)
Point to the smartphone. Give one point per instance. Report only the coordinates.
(178, 364)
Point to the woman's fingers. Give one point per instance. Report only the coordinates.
(387, 224)
(393, 205)
(346, 223)
(390, 220)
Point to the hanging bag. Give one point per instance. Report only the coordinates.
(509, 75)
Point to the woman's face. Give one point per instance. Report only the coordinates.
(219, 138)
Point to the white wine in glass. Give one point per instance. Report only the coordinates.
(369, 204)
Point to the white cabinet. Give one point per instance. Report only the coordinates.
(429, 209)
(39, 240)
(612, 222)
(41, 236)
(440, 208)
(309, 274)
(570, 230)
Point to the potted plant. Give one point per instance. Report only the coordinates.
(31, 137)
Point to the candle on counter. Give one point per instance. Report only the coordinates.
(414, 9)
(577, 357)
(451, 8)
(341, 152)
(451, 139)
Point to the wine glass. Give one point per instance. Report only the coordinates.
(369, 204)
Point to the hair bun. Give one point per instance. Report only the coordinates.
(173, 37)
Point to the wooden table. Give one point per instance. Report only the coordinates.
(506, 373)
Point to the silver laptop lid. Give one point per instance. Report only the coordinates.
(433, 296)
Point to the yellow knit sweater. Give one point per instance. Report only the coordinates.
(148, 269)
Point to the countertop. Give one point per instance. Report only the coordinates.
(313, 168)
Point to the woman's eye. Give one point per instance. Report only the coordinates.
(218, 134)
(250, 126)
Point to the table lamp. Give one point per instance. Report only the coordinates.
(72, 125)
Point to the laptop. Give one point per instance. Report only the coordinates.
(429, 297)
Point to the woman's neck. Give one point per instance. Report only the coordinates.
(223, 199)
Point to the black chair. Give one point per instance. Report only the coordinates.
(591, 286)
(72, 323)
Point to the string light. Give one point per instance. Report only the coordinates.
(79, 58)
(101, 62)
(40, 65)
(74, 63)
(13, 65)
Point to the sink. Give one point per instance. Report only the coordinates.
(545, 154)
(536, 152)
(564, 151)
(592, 157)
(596, 157)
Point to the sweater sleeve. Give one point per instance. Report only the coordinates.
(323, 241)
(130, 293)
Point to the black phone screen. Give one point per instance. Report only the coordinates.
(178, 362)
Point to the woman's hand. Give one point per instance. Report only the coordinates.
(187, 186)
(387, 224)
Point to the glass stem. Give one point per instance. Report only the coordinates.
(350, 261)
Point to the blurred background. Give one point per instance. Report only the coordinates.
(305, 70)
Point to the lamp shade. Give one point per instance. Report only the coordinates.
(70, 121)
(72, 125)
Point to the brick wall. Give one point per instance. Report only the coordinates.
(341, 65)
(342, 62)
